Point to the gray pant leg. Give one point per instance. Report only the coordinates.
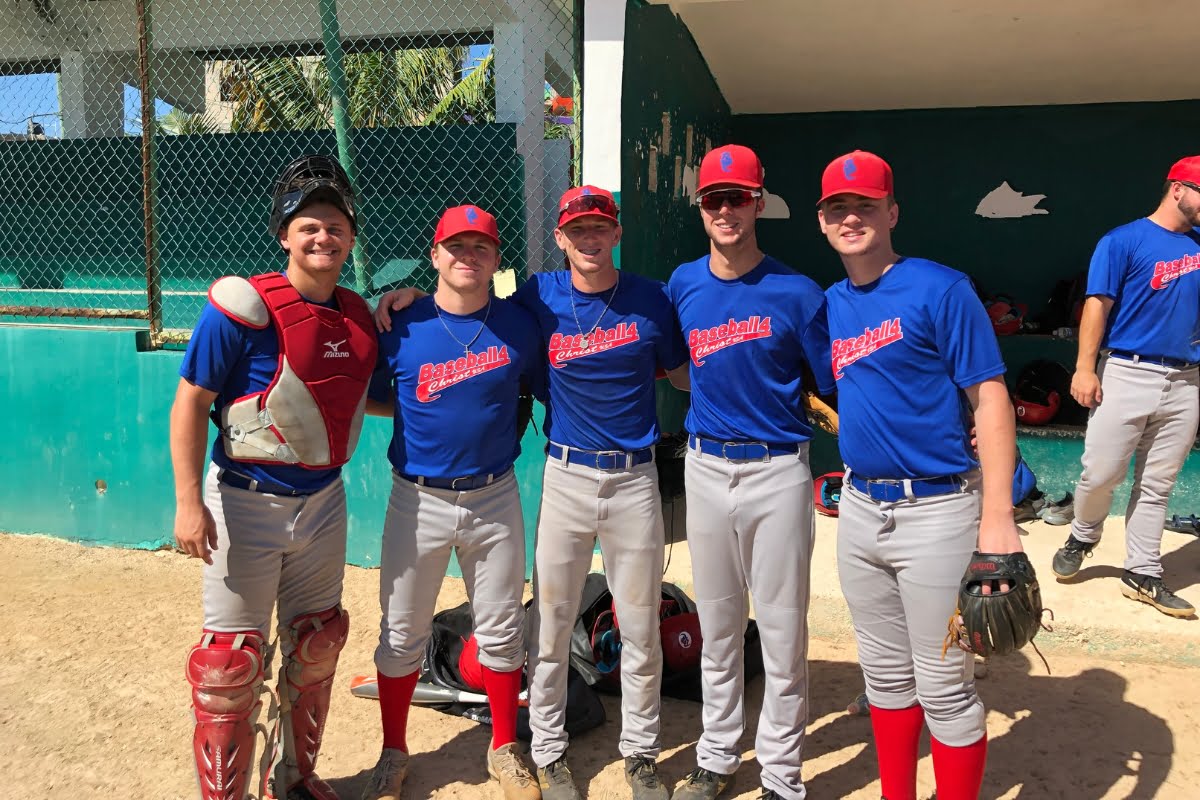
(418, 533)
(719, 581)
(631, 541)
(900, 566)
(750, 528)
(240, 588)
(315, 565)
(491, 552)
(776, 510)
(1160, 455)
(566, 537)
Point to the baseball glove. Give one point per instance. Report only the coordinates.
(820, 413)
(999, 623)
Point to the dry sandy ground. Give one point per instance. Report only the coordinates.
(93, 703)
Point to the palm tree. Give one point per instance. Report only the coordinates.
(429, 86)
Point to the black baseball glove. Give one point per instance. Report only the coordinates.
(1001, 622)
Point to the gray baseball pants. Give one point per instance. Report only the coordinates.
(485, 529)
(750, 528)
(623, 509)
(900, 566)
(272, 547)
(1149, 412)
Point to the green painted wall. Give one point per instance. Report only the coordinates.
(1098, 165)
(671, 112)
(86, 406)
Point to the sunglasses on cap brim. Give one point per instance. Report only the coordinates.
(589, 204)
(734, 198)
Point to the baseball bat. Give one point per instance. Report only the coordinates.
(426, 694)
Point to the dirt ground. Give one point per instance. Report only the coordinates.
(93, 703)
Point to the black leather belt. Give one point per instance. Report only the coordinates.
(239, 481)
(1161, 361)
(464, 484)
(601, 459)
(741, 451)
(894, 490)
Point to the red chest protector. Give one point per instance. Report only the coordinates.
(311, 414)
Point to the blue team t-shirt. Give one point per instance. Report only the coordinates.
(235, 360)
(455, 415)
(904, 348)
(1150, 273)
(748, 339)
(603, 397)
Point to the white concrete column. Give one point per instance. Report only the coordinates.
(91, 93)
(603, 70)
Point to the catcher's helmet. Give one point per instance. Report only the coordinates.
(681, 641)
(1043, 394)
(308, 179)
(827, 493)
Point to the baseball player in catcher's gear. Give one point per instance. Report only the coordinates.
(283, 361)
(751, 324)
(913, 354)
(451, 371)
(605, 333)
(1142, 307)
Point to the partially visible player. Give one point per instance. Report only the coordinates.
(281, 362)
(605, 333)
(1142, 309)
(914, 356)
(752, 325)
(452, 368)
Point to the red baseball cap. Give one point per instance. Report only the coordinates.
(464, 219)
(587, 201)
(860, 173)
(1186, 169)
(731, 165)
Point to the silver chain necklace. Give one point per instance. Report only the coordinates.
(585, 338)
(466, 346)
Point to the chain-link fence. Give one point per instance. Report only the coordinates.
(140, 140)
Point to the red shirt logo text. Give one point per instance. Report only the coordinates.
(1167, 271)
(847, 351)
(564, 348)
(703, 342)
(433, 378)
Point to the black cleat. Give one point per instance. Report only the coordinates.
(556, 782)
(641, 773)
(1069, 557)
(703, 785)
(1150, 590)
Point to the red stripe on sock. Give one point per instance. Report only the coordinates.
(395, 699)
(503, 689)
(897, 735)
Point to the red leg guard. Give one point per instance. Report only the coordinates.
(958, 771)
(395, 699)
(226, 674)
(311, 644)
(897, 735)
(503, 690)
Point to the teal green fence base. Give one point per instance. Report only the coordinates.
(88, 457)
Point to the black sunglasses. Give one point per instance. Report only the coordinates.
(1191, 186)
(734, 198)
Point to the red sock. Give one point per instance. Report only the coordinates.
(395, 698)
(502, 690)
(897, 734)
(958, 770)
